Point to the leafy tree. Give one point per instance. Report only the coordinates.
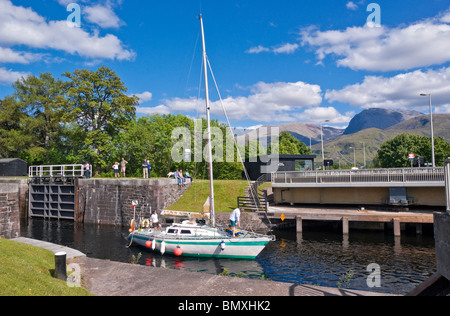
(13, 140)
(289, 145)
(42, 100)
(98, 104)
(394, 153)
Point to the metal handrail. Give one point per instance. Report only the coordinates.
(401, 175)
(56, 171)
(447, 183)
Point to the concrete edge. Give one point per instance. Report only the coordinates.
(71, 253)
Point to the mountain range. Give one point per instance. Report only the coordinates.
(368, 130)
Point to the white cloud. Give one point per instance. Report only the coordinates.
(8, 76)
(7, 55)
(287, 48)
(103, 16)
(351, 5)
(322, 114)
(420, 44)
(23, 26)
(144, 96)
(161, 109)
(258, 49)
(267, 102)
(398, 92)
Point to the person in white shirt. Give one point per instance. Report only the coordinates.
(155, 221)
(235, 220)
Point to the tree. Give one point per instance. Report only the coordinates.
(97, 102)
(394, 153)
(13, 139)
(42, 100)
(289, 145)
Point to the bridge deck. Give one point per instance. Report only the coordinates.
(347, 215)
(352, 215)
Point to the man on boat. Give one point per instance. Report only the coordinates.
(155, 221)
(235, 220)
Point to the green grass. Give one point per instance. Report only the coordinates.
(27, 271)
(226, 193)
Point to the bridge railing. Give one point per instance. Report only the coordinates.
(403, 175)
(447, 183)
(56, 171)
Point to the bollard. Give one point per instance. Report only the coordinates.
(60, 266)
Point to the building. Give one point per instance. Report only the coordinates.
(278, 163)
(13, 167)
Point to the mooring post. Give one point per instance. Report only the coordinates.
(299, 224)
(397, 228)
(60, 266)
(345, 226)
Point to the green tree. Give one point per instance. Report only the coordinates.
(394, 153)
(13, 139)
(98, 104)
(42, 100)
(289, 145)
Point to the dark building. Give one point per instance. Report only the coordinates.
(281, 163)
(13, 167)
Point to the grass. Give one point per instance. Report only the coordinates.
(226, 193)
(27, 271)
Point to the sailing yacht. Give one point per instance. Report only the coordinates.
(197, 239)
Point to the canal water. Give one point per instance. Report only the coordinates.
(314, 257)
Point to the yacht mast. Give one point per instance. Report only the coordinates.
(208, 117)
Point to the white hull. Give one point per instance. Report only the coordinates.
(218, 245)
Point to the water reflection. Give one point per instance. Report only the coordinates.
(313, 257)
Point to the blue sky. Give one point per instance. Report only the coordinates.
(275, 61)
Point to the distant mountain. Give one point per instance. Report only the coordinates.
(339, 146)
(304, 132)
(340, 149)
(378, 118)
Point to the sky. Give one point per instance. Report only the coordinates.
(274, 62)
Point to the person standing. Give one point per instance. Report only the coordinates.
(123, 166)
(155, 221)
(149, 169)
(235, 220)
(116, 170)
(87, 168)
(145, 168)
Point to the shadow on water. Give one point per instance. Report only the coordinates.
(314, 257)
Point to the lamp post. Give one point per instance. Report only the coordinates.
(321, 136)
(354, 155)
(364, 148)
(433, 157)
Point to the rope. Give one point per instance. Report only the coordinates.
(252, 193)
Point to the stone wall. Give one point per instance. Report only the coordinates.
(13, 206)
(249, 221)
(108, 201)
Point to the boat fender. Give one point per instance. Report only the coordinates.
(163, 248)
(148, 244)
(178, 251)
(132, 226)
(222, 245)
(154, 245)
(146, 223)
